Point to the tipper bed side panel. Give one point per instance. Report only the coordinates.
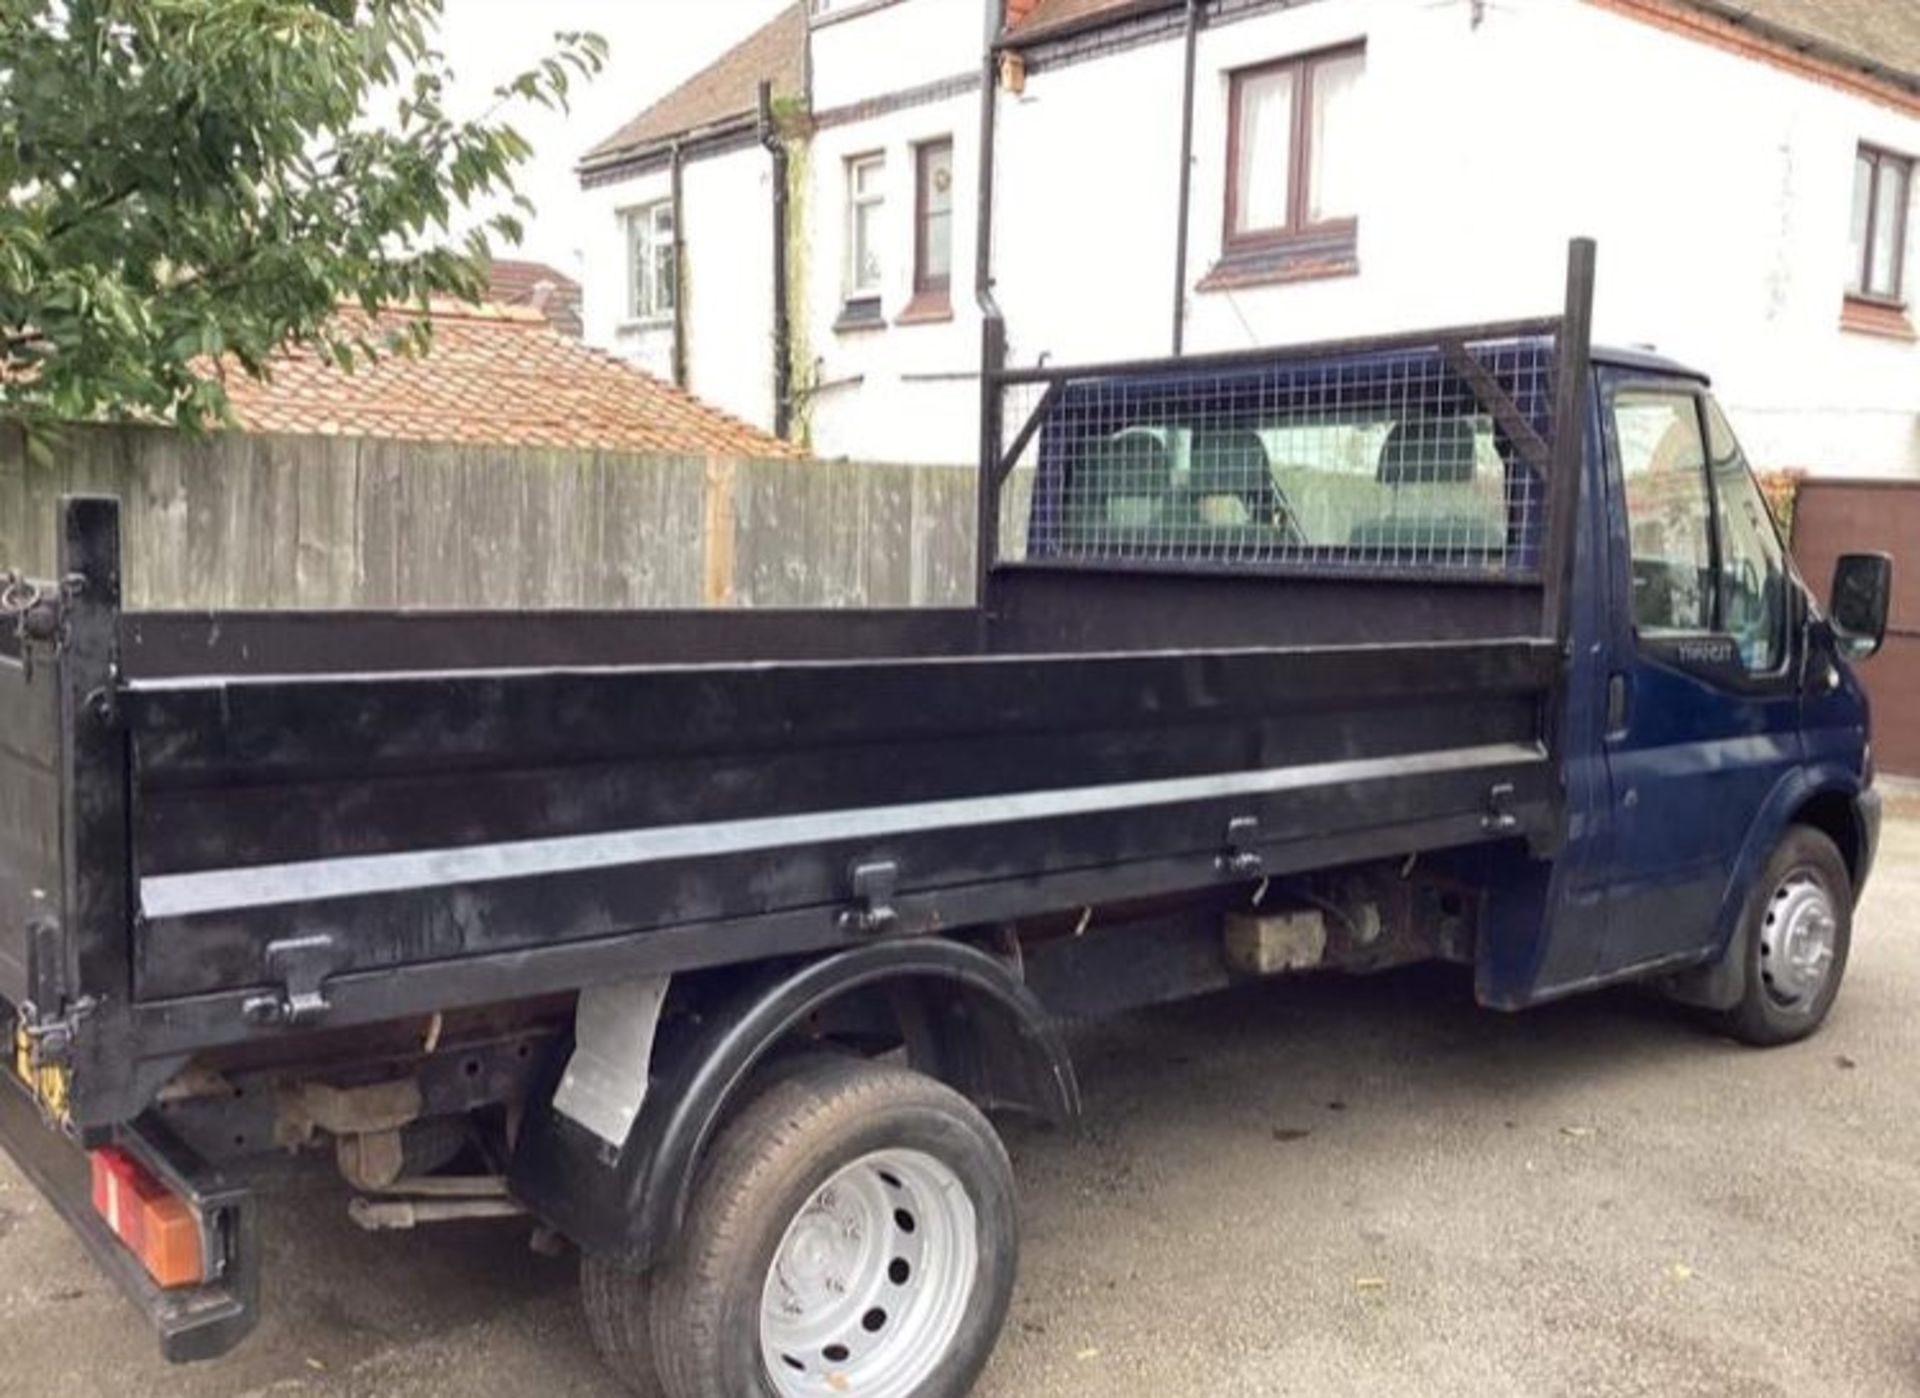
(402, 812)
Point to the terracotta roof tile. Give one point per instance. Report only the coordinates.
(547, 289)
(726, 88)
(495, 375)
(1883, 32)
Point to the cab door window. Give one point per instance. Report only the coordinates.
(1669, 508)
(1752, 597)
(1705, 558)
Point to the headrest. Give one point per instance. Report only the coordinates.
(1134, 464)
(1230, 462)
(1428, 451)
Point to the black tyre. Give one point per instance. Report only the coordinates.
(615, 1301)
(618, 1301)
(853, 1229)
(1798, 929)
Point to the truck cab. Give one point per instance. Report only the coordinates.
(1710, 703)
(1725, 702)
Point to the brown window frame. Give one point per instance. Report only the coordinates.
(1296, 232)
(1861, 279)
(930, 291)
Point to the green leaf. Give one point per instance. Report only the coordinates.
(207, 180)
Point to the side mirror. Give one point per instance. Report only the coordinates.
(1862, 595)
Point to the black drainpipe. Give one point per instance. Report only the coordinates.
(1186, 183)
(983, 246)
(782, 326)
(993, 329)
(677, 160)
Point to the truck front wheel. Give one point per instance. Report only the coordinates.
(1799, 928)
(853, 1230)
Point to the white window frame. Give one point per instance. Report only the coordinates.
(857, 201)
(652, 299)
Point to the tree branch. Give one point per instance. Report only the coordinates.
(98, 206)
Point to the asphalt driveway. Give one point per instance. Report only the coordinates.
(1320, 1187)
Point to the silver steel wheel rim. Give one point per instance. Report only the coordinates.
(871, 1279)
(1798, 932)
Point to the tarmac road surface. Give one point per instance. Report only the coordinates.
(1316, 1187)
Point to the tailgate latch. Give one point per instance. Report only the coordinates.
(874, 887)
(301, 965)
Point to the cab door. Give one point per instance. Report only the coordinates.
(1702, 699)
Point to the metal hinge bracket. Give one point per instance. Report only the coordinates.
(50, 1036)
(301, 965)
(875, 886)
(47, 1018)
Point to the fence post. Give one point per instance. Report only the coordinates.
(717, 529)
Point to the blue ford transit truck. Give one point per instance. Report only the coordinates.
(707, 941)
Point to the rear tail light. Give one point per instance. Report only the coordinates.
(157, 1225)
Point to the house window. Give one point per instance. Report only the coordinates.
(651, 278)
(866, 203)
(1291, 187)
(932, 226)
(1882, 190)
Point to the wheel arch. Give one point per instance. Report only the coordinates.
(964, 1015)
(1836, 814)
(1823, 801)
(1824, 797)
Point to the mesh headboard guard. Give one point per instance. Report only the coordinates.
(1428, 451)
(1133, 467)
(1231, 461)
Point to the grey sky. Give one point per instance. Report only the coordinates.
(652, 46)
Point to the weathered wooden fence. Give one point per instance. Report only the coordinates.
(246, 521)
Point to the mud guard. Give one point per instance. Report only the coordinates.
(991, 1038)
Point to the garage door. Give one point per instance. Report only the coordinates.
(1832, 517)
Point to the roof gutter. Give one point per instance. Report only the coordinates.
(1825, 50)
(1729, 11)
(728, 133)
